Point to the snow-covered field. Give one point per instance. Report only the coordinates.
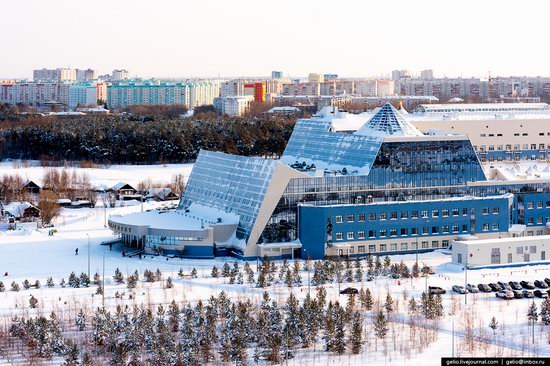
(36, 256)
(101, 176)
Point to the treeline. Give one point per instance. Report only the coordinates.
(136, 139)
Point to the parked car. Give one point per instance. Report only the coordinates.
(527, 284)
(472, 288)
(541, 294)
(495, 287)
(515, 285)
(484, 287)
(518, 294)
(547, 280)
(434, 290)
(541, 284)
(528, 294)
(459, 289)
(505, 294)
(504, 286)
(349, 290)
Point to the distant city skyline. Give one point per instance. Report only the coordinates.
(211, 38)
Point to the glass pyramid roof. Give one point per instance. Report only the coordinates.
(388, 121)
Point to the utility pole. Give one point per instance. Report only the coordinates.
(88, 255)
(466, 280)
(103, 283)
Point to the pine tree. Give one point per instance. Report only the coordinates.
(62, 283)
(356, 334)
(158, 275)
(215, 272)
(370, 266)
(131, 282)
(532, 314)
(377, 266)
(339, 345)
(97, 279)
(180, 273)
(438, 306)
(49, 282)
(358, 271)
(169, 283)
(226, 271)
(194, 273)
(84, 279)
(26, 284)
(387, 264)
(118, 277)
(173, 316)
(80, 320)
(545, 311)
(74, 281)
(15, 286)
(493, 324)
(2, 287)
(72, 355)
(99, 290)
(288, 278)
(366, 300)
(416, 270)
(321, 297)
(388, 305)
(380, 325)
(412, 306)
(33, 302)
(37, 284)
(296, 278)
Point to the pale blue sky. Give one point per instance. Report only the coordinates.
(252, 37)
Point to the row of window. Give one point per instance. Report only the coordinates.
(510, 147)
(516, 134)
(362, 249)
(537, 204)
(540, 221)
(414, 214)
(383, 233)
(491, 158)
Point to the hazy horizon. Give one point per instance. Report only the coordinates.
(208, 38)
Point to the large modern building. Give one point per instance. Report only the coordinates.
(354, 184)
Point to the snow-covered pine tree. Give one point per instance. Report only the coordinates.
(226, 271)
(158, 275)
(356, 334)
(215, 273)
(169, 283)
(532, 313)
(33, 302)
(387, 264)
(49, 282)
(358, 270)
(180, 273)
(131, 282)
(493, 325)
(339, 340)
(545, 311)
(97, 279)
(415, 270)
(380, 325)
(118, 277)
(412, 306)
(26, 284)
(80, 320)
(62, 283)
(388, 305)
(2, 287)
(74, 281)
(438, 306)
(84, 280)
(377, 266)
(15, 287)
(288, 278)
(194, 273)
(296, 278)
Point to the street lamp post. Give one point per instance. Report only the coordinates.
(88, 255)
(103, 284)
(466, 280)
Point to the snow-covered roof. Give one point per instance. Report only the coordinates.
(196, 217)
(17, 209)
(513, 171)
(119, 185)
(388, 121)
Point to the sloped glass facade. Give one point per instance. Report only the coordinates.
(231, 183)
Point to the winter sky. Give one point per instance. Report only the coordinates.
(177, 38)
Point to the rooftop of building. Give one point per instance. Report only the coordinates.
(517, 171)
(483, 111)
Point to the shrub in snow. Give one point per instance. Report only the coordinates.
(33, 303)
(37, 284)
(2, 287)
(99, 290)
(131, 282)
(215, 273)
(118, 277)
(49, 282)
(226, 271)
(62, 283)
(169, 283)
(180, 273)
(158, 275)
(84, 279)
(15, 286)
(149, 276)
(97, 279)
(194, 273)
(26, 284)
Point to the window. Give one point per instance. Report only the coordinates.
(445, 243)
(435, 229)
(414, 231)
(393, 216)
(404, 246)
(495, 210)
(485, 227)
(424, 245)
(350, 218)
(530, 221)
(424, 214)
(445, 213)
(435, 213)
(372, 248)
(383, 233)
(383, 216)
(404, 214)
(393, 232)
(455, 228)
(350, 235)
(361, 249)
(495, 226)
(372, 234)
(404, 231)
(485, 211)
(414, 214)
(533, 249)
(508, 147)
(393, 246)
(361, 218)
(435, 243)
(413, 245)
(539, 204)
(425, 230)
(455, 212)
(351, 250)
(539, 220)
(519, 250)
(464, 211)
(361, 234)
(339, 219)
(445, 229)
(382, 247)
(372, 217)
(464, 228)
(339, 236)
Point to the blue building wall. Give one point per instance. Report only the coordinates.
(400, 220)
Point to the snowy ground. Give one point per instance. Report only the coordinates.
(36, 256)
(101, 176)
